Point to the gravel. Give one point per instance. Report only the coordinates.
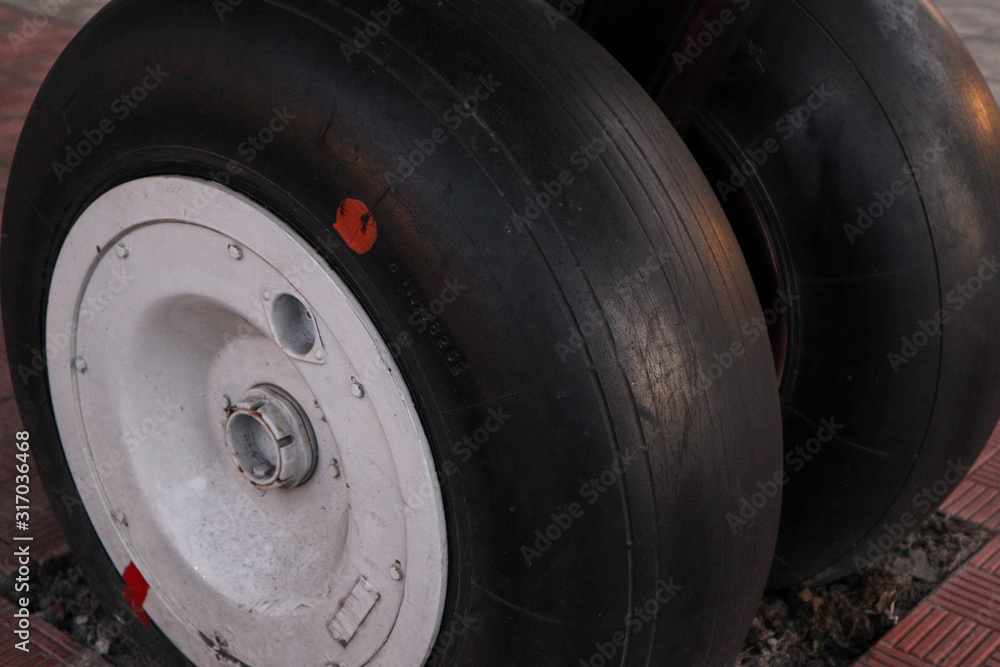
(61, 596)
(834, 625)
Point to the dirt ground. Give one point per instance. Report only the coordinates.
(834, 625)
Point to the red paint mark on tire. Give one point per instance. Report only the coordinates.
(135, 591)
(356, 225)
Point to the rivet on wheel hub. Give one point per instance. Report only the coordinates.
(270, 439)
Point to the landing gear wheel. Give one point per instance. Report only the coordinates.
(220, 467)
(384, 351)
(883, 201)
(856, 149)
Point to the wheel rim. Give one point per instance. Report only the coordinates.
(240, 435)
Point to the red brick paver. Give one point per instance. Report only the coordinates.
(978, 497)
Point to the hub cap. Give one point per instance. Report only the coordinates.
(270, 439)
(240, 435)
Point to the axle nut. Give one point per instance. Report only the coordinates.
(270, 439)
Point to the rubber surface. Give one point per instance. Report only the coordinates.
(676, 50)
(585, 329)
(873, 147)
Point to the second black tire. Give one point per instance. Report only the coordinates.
(856, 148)
(883, 200)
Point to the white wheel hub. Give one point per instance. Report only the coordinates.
(241, 436)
